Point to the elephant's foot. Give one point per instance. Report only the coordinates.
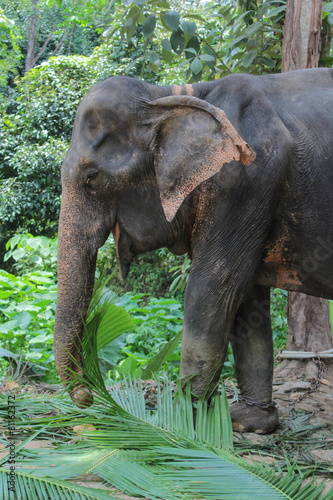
(81, 397)
(247, 418)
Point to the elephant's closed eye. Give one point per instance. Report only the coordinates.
(91, 176)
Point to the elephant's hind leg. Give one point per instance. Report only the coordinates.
(252, 344)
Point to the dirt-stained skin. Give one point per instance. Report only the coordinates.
(238, 173)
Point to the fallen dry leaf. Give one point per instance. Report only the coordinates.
(79, 429)
(11, 384)
(325, 382)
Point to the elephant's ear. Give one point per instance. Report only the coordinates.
(193, 140)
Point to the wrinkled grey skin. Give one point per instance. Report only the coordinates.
(170, 172)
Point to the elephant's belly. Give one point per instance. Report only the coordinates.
(291, 276)
(279, 276)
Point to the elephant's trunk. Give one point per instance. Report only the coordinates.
(76, 271)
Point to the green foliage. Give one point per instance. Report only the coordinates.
(10, 51)
(28, 300)
(66, 30)
(279, 300)
(328, 12)
(181, 273)
(215, 39)
(27, 308)
(35, 140)
(156, 324)
(32, 253)
(30, 199)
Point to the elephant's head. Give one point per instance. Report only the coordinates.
(135, 155)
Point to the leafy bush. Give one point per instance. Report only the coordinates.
(27, 309)
(279, 300)
(32, 253)
(28, 300)
(30, 200)
(156, 323)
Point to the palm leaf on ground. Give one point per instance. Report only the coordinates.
(158, 454)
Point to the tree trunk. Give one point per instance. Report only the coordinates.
(32, 34)
(302, 34)
(308, 317)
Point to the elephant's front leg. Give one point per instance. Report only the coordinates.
(206, 332)
(252, 344)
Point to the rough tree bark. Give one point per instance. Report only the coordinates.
(302, 34)
(308, 317)
(32, 34)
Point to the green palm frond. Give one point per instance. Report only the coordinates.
(105, 320)
(139, 454)
(157, 453)
(30, 487)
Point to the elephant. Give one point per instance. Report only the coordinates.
(236, 172)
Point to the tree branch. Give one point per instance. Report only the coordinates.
(60, 44)
(216, 54)
(44, 46)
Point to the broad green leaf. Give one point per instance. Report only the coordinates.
(167, 56)
(189, 27)
(277, 10)
(149, 25)
(207, 58)
(196, 66)
(156, 362)
(153, 58)
(23, 319)
(177, 41)
(171, 19)
(268, 61)
(249, 58)
(115, 321)
(7, 354)
(237, 40)
(40, 280)
(18, 254)
(154, 61)
(193, 43)
(8, 326)
(166, 44)
(195, 16)
(190, 52)
(253, 28)
(109, 355)
(131, 25)
(328, 7)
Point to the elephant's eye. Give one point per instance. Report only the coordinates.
(91, 176)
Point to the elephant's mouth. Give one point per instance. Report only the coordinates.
(116, 235)
(124, 249)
